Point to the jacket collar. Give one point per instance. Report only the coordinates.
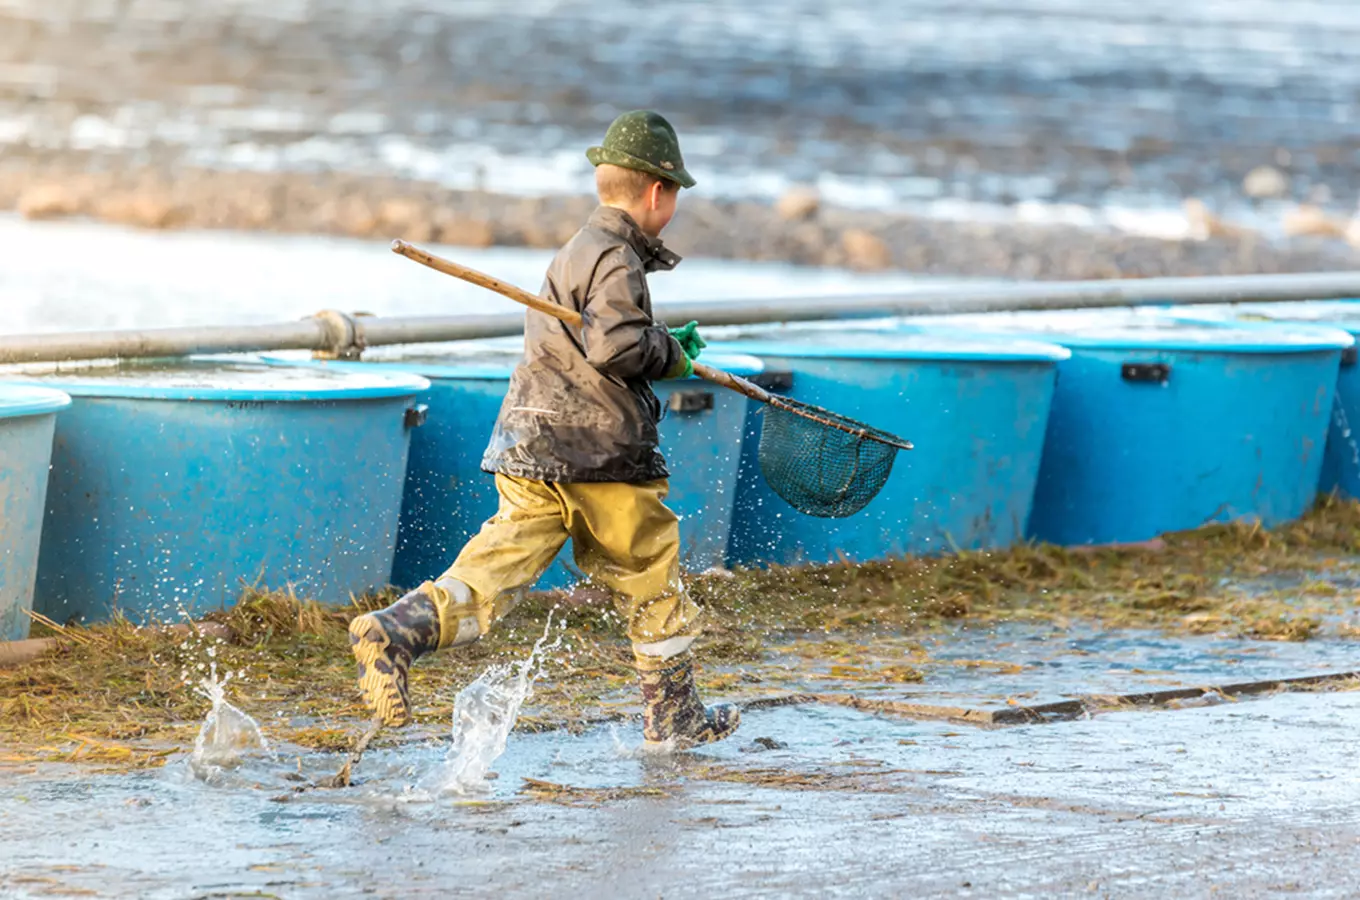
(655, 255)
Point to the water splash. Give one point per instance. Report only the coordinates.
(227, 733)
(1343, 425)
(484, 713)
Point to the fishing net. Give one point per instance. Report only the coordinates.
(821, 463)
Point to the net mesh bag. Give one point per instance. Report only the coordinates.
(821, 463)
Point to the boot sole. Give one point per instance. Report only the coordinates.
(381, 690)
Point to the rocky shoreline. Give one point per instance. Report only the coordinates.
(798, 229)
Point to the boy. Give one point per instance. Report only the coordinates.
(574, 453)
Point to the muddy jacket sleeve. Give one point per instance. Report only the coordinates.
(619, 337)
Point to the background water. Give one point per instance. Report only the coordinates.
(139, 279)
(955, 109)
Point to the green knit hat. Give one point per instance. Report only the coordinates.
(644, 141)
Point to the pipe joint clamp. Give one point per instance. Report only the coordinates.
(343, 334)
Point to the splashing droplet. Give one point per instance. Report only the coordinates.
(484, 713)
(227, 733)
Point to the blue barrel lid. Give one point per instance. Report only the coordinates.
(897, 341)
(1343, 314)
(1149, 328)
(212, 378)
(27, 400)
(484, 360)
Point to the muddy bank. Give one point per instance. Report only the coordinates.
(801, 229)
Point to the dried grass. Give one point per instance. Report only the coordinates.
(115, 693)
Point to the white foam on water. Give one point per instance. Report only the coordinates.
(478, 166)
(227, 735)
(622, 749)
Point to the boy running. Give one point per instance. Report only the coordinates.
(574, 454)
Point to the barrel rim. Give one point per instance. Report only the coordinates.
(1322, 339)
(1239, 337)
(389, 385)
(1265, 315)
(18, 399)
(1004, 352)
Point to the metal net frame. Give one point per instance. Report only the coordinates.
(821, 463)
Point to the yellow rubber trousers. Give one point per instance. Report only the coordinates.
(623, 536)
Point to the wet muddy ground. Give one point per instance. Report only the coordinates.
(1246, 798)
(859, 789)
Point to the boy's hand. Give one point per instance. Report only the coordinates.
(688, 338)
(682, 369)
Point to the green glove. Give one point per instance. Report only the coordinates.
(682, 369)
(689, 340)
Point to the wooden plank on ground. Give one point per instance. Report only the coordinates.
(1076, 708)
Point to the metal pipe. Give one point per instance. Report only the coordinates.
(1010, 297)
(339, 334)
(428, 329)
(329, 331)
(151, 342)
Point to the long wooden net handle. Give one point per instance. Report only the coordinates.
(732, 382)
(472, 276)
(571, 317)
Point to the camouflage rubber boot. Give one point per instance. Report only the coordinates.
(385, 643)
(672, 711)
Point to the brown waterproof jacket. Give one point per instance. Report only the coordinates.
(580, 405)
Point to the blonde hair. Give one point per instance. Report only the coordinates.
(615, 184)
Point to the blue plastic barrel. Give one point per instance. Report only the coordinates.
(448, 496)
(28, 416)
(1161, 424)
(176, 483)
(975, 409)
(1341, 460)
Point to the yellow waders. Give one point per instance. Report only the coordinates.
(622, 536)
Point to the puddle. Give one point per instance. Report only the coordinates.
(991, 667)
(1238, 796)
(849, 804)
